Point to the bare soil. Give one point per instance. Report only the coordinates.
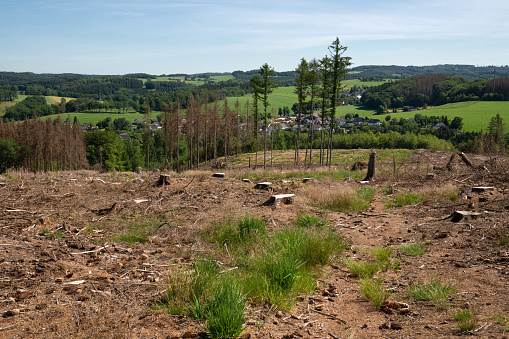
(62, 276)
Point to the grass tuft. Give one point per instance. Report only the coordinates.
(382, 256)
(362, 269)
(416, 249)
(341, 198)
(434, 290)
(466, 320)
(374, 291)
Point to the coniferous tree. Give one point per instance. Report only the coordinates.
(301, 86)
(268, 84)
(339, 70)
(255, 83)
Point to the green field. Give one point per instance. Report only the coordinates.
(94, 118)
(476, 114)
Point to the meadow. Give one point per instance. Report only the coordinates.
(476, 114)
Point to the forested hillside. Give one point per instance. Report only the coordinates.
(435, 89)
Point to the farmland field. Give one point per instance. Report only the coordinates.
(476, 114)
(94, 118)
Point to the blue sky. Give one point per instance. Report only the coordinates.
(193, 36)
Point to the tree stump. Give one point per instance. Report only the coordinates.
(164, 179)
(263, 185)
(482, 189)
(458, 216)
(371, 167)
(286, 199)
(247, 180)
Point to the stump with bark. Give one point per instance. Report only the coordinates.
(371, 167)
(164, 179)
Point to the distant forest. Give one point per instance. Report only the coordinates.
(435, 89)
(418, 85)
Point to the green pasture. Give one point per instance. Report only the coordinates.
(476, 114)
(94, 118)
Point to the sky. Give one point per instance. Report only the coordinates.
(197, 36)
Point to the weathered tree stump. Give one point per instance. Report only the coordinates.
(247, 180)
(458, 216)
(277, 199)
(164, 179)
(219, 175)
(371, 167)
(482, 189)
(263, 185)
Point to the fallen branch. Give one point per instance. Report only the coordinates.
(328, 315)
(96, 250)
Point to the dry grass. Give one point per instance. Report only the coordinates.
(339, 196)
(448, 191)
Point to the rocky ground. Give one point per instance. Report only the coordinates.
(64, 274)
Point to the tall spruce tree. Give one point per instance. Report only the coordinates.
(268, 84)
(301, 86)
(339, 71)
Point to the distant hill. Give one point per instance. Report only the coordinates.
(468, 72)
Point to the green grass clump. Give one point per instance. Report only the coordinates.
(434, 290)
(374, 291)
(403, 199)
(382, 256)
(503, 241)
(225, 311)
(502, 320)
(308, 220)
(406, 199)
(136, 231)
(387, 190)
(237, 234)
(466, 319)
(416, 249)
(362, 269)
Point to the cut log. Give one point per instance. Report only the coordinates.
(286, 199)
(458, 216)
(371, 167)
(466, 160)
(305, 180)
(164, 179)
(263, 185)
(218, 175)
(247, 180)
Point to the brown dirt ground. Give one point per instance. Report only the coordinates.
(79, 287)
